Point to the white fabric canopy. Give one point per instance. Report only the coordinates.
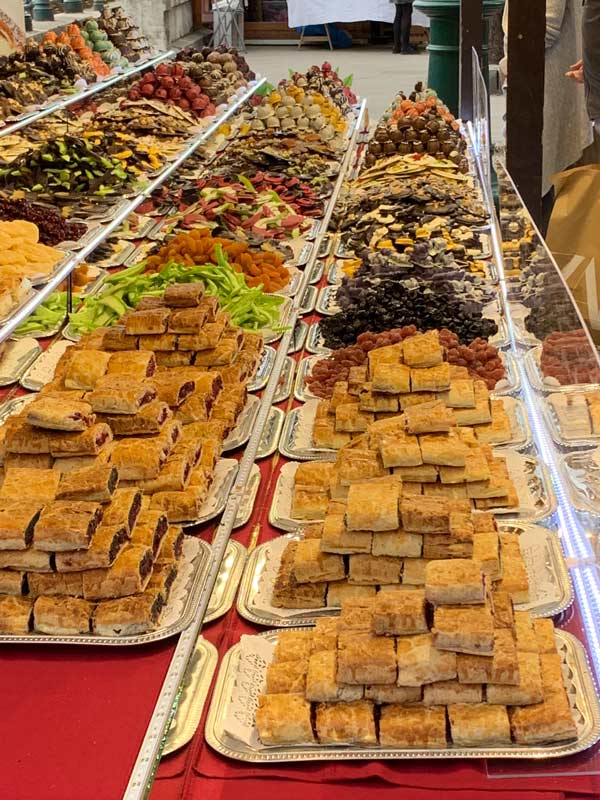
(317, 12)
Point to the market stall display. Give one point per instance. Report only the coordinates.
(421, 513)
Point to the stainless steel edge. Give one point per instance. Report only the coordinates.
(149, 754)
(271, 434)
(90, 91)
(104, 231)
(193, 697)
(223, 600)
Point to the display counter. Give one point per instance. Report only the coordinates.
(84, 719)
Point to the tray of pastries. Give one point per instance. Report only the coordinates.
(507, 386)
(142, 410)
(574, 418)
(452, 469)
(138, 581)
(298, 578)
(312, 432)
(407, 675)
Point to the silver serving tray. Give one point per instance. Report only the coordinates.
(508, 386)
(15, 406)
(316, 272)
(326, 303)
(94, 285)
(298, 337)
(263, 371)
(565, 442)
(314, 230)
(26, 297)
(248, 497)
(245, 422)
(41, 333)
(16, 359)
(519, 313)
(578, 678)
(140, 253)
(583, 483)
(41, 371)
(42, 280)
(286, 380)
(225, 473)
(193, 696)
(531, 360)
(117, 258)
(274, 334)
(148, 223)
(314, 341)
(300, 419)
(532, 482)
(227, 582)
(270, 438)
(308, 300)
(294, 284)
(69, 333)
(542, 552)
(197, 550)
(304, 255)
(325, 246)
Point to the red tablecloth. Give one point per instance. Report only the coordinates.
(74, 718)
(197, 772)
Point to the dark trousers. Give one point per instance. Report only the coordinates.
(402, 24)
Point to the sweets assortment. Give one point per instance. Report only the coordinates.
(398, 536)
(414, 125)
(131, 424)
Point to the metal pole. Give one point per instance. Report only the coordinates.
(471, 38)
(525, 101)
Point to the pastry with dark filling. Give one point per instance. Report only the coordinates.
(129, 574)
(94, 484)
(62, 616)
(118, 394)
(66, 525)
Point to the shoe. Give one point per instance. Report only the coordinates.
(409, 51)
(396, 50)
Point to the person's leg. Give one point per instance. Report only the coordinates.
(407, 48)
(406, 25)
(398, 28)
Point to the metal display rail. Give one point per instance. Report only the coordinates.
(105, 231)
(150, 750)
(84, 94)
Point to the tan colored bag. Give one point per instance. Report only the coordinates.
(574, 238)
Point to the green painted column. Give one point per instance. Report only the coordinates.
(444, 38)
